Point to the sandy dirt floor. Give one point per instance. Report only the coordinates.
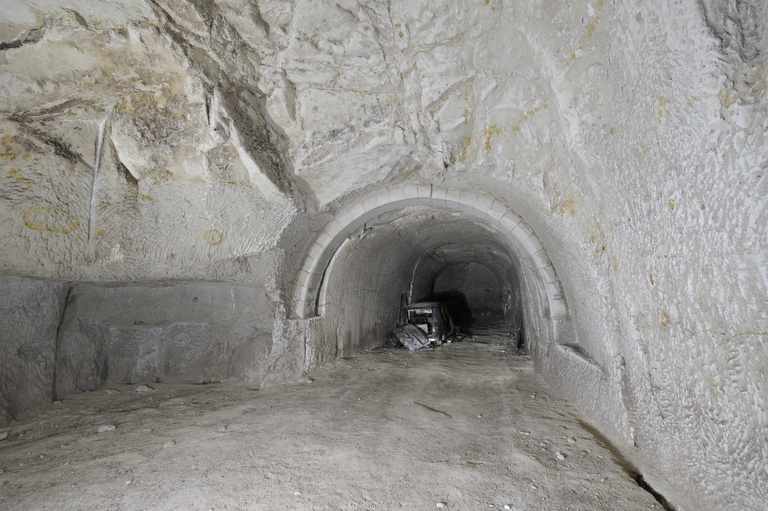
(467, 426)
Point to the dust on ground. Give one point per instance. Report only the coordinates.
(465, 426)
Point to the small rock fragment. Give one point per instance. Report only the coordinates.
(112, 392)
(129, 481)
(106, 427)
(3, 435)
(141, 389)
(442, 505)
(170, 444)
(560, 455)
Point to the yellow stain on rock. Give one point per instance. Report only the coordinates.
(126, 106)
(527, 115)
(672, 204)
(650, 277)
(15, 174)
(7, 142)
(465, 144)
(590, 29)
(664, 318)
(51, 219)
(101, 232)
(145, 197)
(661, 110)
(564, 206)
(465, 113)
(728, 96)
(489, 132)
(213, 236)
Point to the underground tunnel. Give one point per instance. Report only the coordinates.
(427, 244)
(213, 211)
(420, 255)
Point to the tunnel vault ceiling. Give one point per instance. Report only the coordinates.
(200, 149)
(483, 208)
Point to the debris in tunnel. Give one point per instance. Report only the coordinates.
(424, 324)
(408, 336)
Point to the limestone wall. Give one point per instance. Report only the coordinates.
(30, 314)
(212, 141)
(194, 332)
(57, 339)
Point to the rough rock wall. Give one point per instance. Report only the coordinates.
(126, 155)
(30, 315)
(184, 140)
(361, 298)
(194, 332)
(57, 339)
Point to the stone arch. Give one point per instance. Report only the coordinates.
(483, 207)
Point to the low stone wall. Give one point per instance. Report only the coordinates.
(56, 339)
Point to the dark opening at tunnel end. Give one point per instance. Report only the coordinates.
(458, 308)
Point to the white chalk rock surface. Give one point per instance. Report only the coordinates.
(173, 172)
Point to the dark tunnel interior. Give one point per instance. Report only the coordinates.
(427, 255)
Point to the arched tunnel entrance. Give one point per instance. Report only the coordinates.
(428, 255)
(469, 251)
